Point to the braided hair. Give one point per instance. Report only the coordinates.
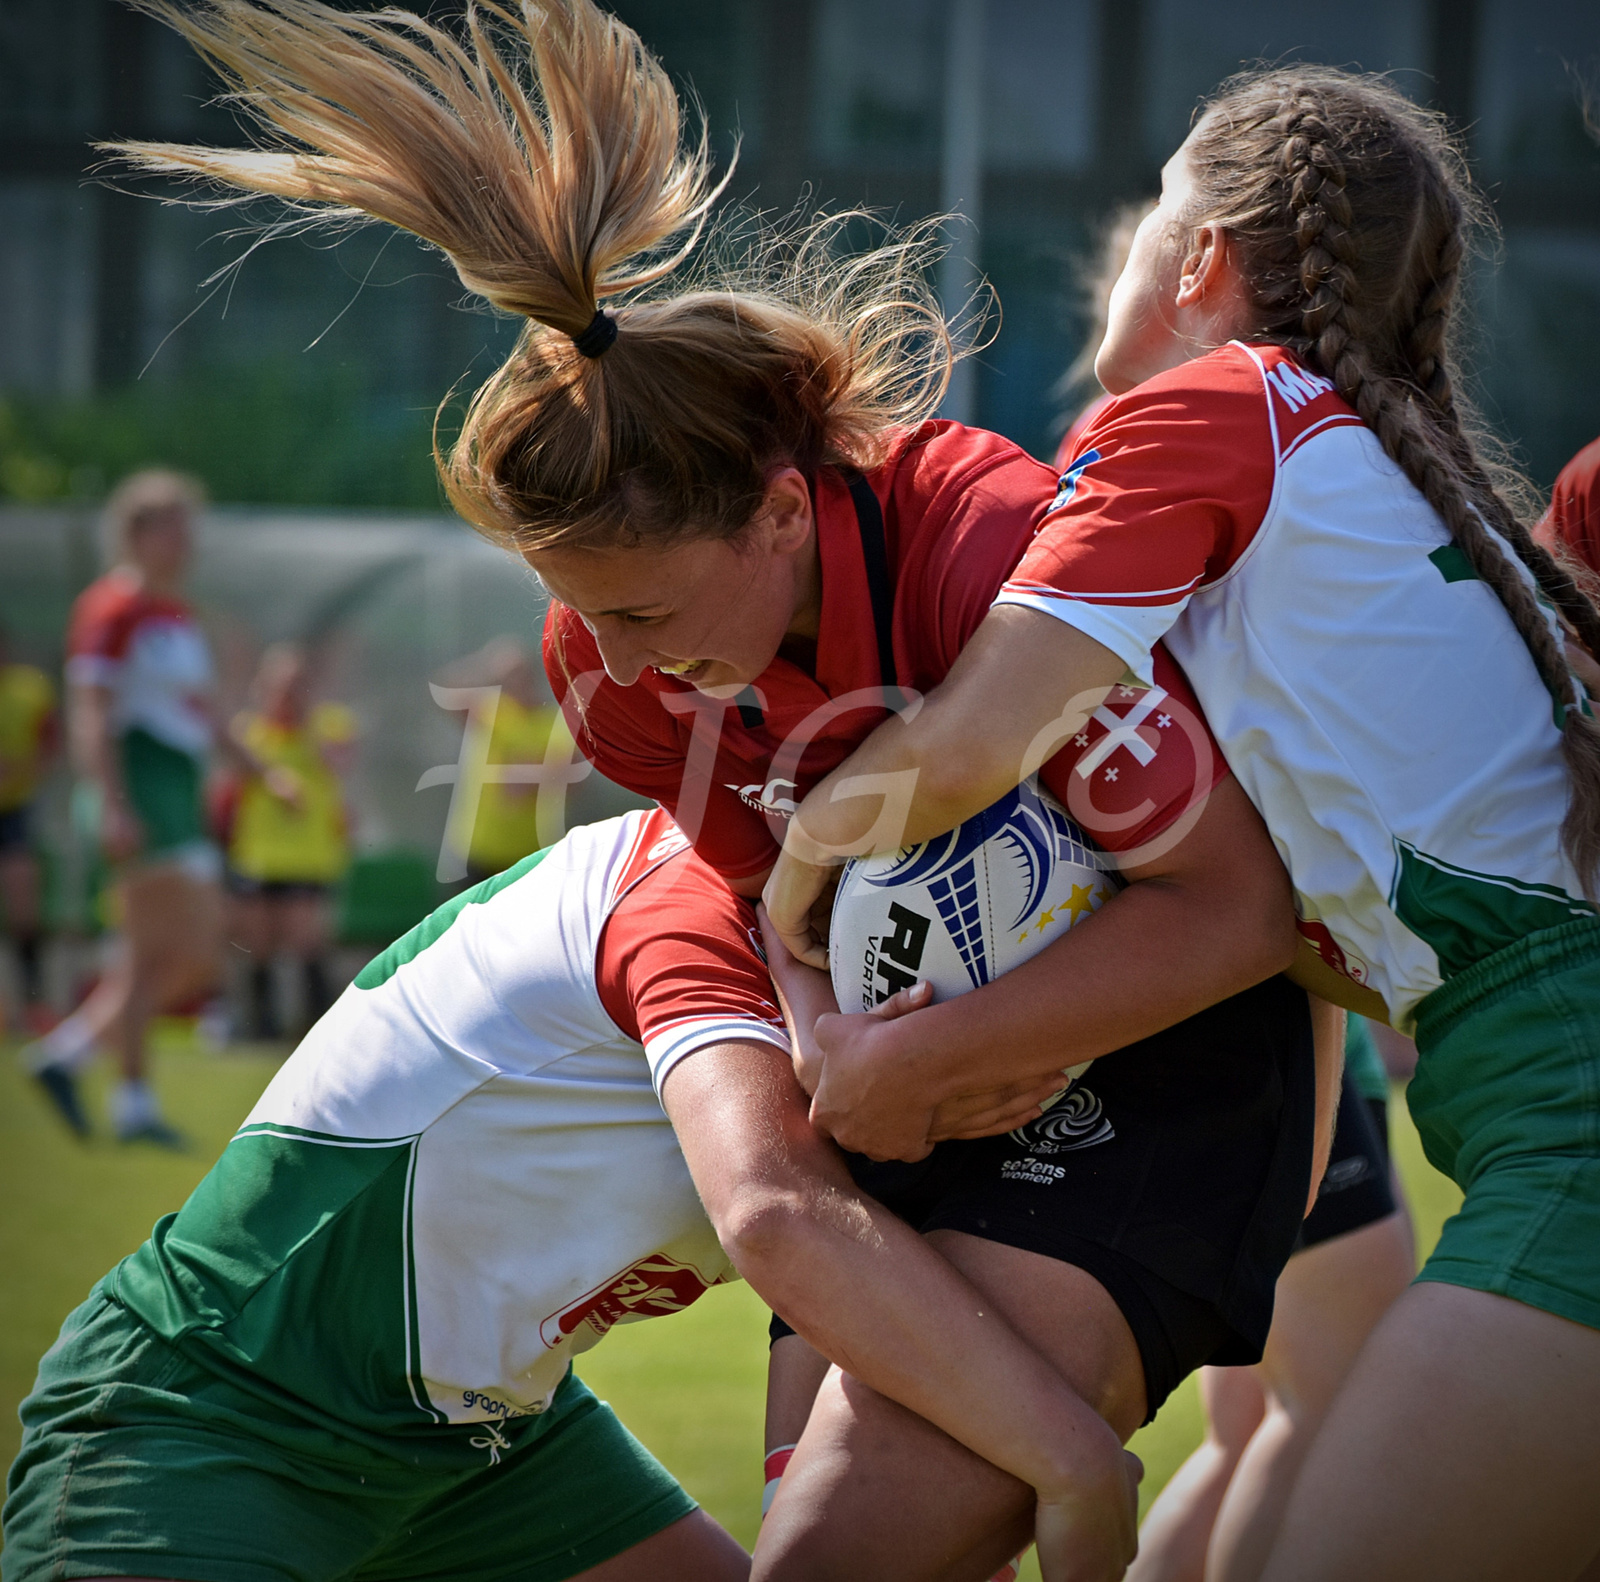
(1351, 212)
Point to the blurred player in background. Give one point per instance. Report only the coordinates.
(29, 732)
(506, 826)
(288, 835)
(139, 679)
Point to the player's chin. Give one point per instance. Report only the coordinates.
(717, 680)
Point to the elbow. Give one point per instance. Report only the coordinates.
(954, 783)
(764, 1229)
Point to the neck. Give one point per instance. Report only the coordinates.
(147, 582)
(806, 621)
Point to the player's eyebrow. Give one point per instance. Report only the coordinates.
(636, 609)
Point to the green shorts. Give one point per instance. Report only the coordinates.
(1507, 1100)
(138, 1460)
(163, 787)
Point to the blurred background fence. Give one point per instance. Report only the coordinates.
(1033, 117)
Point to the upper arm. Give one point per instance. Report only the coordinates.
(1228, 855)
(1021, 686)
(679, 969)
(743, 1122)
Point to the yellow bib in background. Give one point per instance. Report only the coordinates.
(274, 840)
(27, 700)
(507, 827)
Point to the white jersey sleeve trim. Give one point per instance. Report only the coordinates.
(675, 1041)
(1131, 632)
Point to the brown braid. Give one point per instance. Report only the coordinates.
(1352, 211)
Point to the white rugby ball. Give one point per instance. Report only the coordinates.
(961, 910)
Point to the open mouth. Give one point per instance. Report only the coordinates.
(684, 669)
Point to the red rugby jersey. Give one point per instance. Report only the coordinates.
(959, 507)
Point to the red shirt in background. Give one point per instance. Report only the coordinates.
(959, 508)
(1573, 520)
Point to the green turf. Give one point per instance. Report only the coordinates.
(690, 1388)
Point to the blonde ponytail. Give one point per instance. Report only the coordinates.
(541, 148)
(544, 201)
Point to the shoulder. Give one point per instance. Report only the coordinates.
(679, 962)
(1580, 475)
(931, 470)
(1259, 391)
(1575, 504)
(963, 504)
(108, 613)
(106, 607)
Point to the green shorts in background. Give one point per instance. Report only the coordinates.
(163, 786)
(140, 1460)
(1507, 1100)
(1362, 1063)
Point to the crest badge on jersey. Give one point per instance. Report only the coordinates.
(1068, 485)
(652, 1287)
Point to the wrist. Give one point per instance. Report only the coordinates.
(1081, 1462)
(801, 846)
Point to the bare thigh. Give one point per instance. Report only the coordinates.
(874, 1490)
(1329, 1299)
(302, 924)
(1464, 1447)
(174, 929)
(692, 1549)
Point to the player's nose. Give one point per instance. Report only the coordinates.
(623, 654)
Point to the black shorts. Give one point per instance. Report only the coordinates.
(1175, 1172)
(1355, 1189)
(16, 828)
(242, 884)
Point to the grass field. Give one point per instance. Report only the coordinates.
(691, 1389)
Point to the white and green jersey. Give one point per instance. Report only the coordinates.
(1371, 696)
(464, 1176)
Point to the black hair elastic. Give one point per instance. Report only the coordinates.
(596, 340)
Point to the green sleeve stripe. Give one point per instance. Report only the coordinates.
(437, 923)
(413, 1328)
(300, 1134)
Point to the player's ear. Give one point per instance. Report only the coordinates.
(786, 511)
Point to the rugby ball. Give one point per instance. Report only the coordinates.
(966, 907)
